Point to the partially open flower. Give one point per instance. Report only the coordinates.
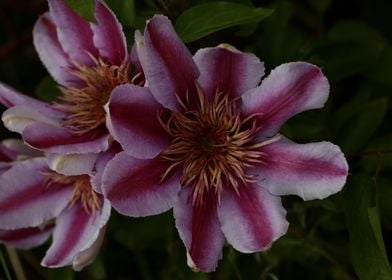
(88, 60)
(203, 137)
(36, 201)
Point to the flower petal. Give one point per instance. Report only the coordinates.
(290, 88)
(72, 164)
(54, 139)
(20, 148)
(135, 186)
(314, 170)
(28, 201)
(167, 63)
(108, 35)
(50, 52)
(200, 231)
(26, 238)
(133, 116)
(76, 230)
(103, 159)
(252, 219)
(19, 117)
(74, 33)
(226, 69)
(87, 256)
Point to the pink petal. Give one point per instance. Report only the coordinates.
(76, 230)
(74, 33)
(226, 69)
(19, 147)
(10, 97)
(6, 154)
(103, 159)
(55, 139)
(252, 220)
(133, 116)
(108, 35)
(72, 164)
(27, 201)
(200, 231)
(19, 117)
(135, 186)
(50, 52)
(290, 88)
(87, 256)
(26, 238)
(167, 63)
(314, 170)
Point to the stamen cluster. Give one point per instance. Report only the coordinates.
(85, 105)
(214, 144)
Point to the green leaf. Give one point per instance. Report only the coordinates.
(349, 49)
(84, 8)
(367, 248)
(204, 19)
(47, 89)
(357, 130)
(381, 70)
(65, 273)
(124, 10)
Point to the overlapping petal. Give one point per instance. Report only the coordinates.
(26, 238)
(312, 171)
(72, 164)
(56, 61)
(108, 35)
(28, 201)
(135, 187)
(226, 69)
(290, 88)
(134, 121)
(76, 230)
(73, 32)
(56, 139)
(167, 63)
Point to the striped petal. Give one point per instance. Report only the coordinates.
(108, 35)
(74, 33)
(49, 50)
(135, 186)
(226, 69)
(314, 170)
(76, 230)
(200, 231)
(252, 219)
(133, 121)
(167, 63)
(28, 201)
(290, 89)
(26, 238)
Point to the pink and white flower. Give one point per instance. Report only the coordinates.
(87, 60)
(36, 202)
(204, 139)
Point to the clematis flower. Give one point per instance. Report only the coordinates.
(87, 60)
(26, 238)
(42, 202)
(204, 138)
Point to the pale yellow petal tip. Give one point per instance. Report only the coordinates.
(228, 47)
(191, 264)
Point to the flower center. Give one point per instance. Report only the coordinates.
(214, 144)
(85, 105)
(83, 191)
